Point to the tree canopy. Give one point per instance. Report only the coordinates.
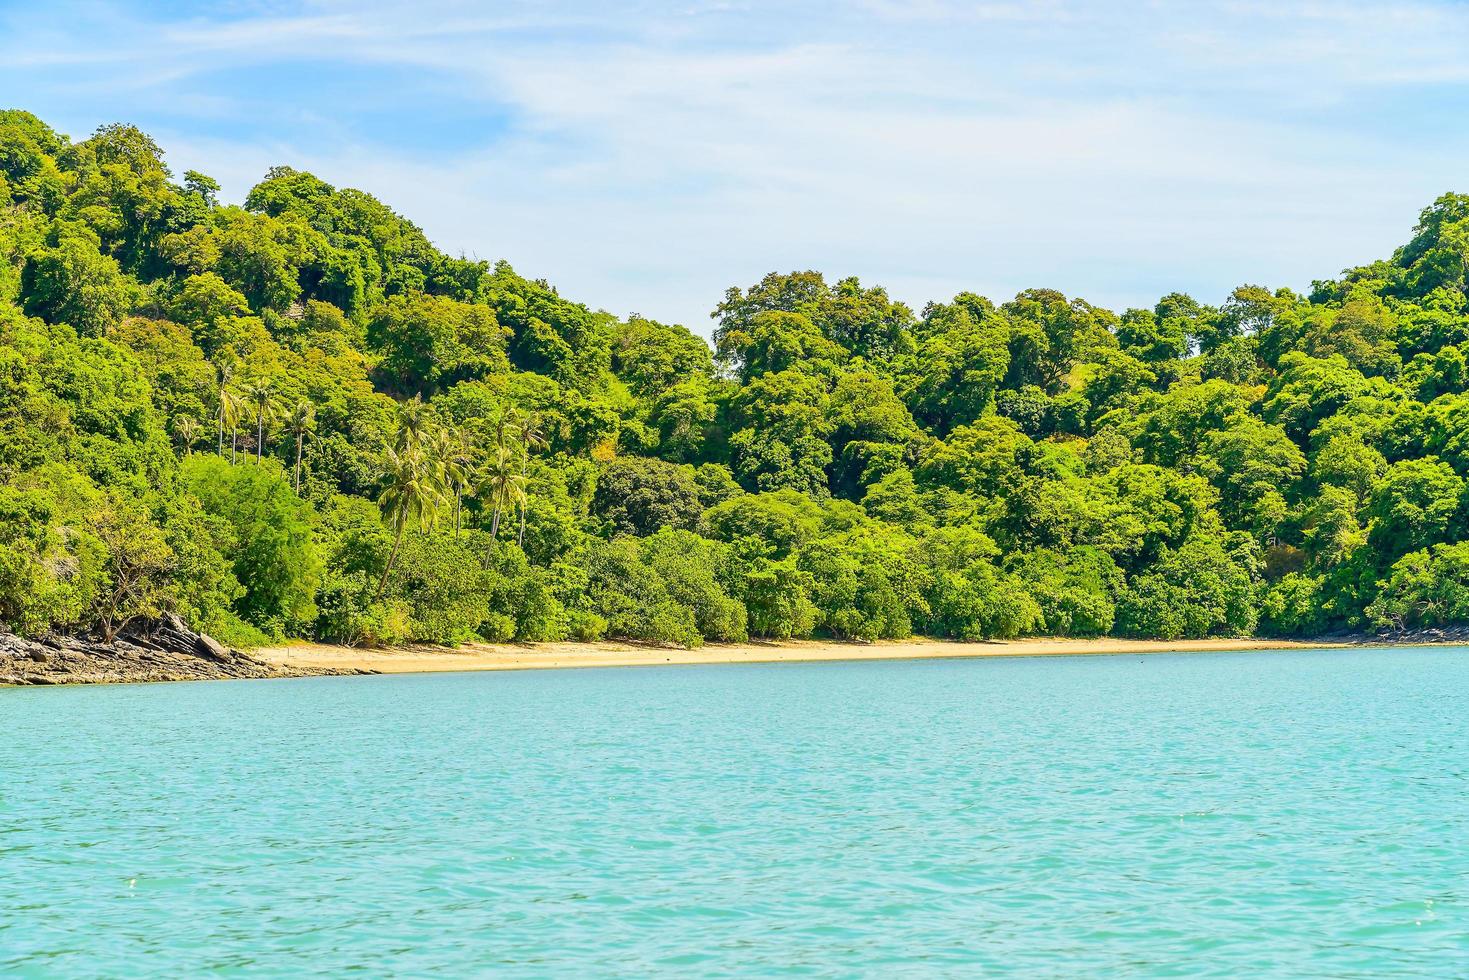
(296, 416)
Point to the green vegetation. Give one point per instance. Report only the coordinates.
(297, 417)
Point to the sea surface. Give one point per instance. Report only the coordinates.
(1301, 813)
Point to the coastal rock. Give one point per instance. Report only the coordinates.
(210, 647)
(144, 650)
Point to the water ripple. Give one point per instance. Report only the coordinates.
(1293, 813)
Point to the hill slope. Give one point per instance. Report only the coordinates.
(298, 417)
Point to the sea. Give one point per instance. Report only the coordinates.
(1300, 813)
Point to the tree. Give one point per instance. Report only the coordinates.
(187, 431)
(271, 545)
(1425, 588)
(410, 496)
(456, 471)
(300, 421)
(137, 566)
(225, 411)
(261, 397)
(505, 485)
(414, 425)
(231, 413)
(952, 378)
(532, 436)
(1203, 588)
(1289, 463)
(783, 429)
(1415, 505)
(431, 342)
(70, 281)
(640, 496)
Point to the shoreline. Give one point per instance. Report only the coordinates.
(417, 659)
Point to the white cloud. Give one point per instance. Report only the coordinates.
(653, 158)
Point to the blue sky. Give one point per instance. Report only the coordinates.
(645, 156)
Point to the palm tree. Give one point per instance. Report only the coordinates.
(413, 425)
(411, 496)
(504, 425)
(258, 396)
(528, 428)
(506, 486)
(226, 371)
(231, 410)
(456, 471)
(188, 431)
(301, 421)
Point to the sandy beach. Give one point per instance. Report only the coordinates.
(537, 656)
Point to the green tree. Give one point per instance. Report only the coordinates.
(260, 396)
(410, 496)
(271, 545)
(299, 422)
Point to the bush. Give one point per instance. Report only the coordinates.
(585, 626)
(1075, 591)
(272, 551)
(634, 599)
(350, 612)
(1196, 591)
(1425, 588)
(446, 591)
(1293, 606)
(778, 600)
(497, 628)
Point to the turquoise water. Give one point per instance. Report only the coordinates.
(1294, 813)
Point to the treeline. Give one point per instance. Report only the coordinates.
(298, 417)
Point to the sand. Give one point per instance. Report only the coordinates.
(534, 656)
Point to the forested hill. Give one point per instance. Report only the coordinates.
(298, 417)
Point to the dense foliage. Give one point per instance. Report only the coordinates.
(298, 417)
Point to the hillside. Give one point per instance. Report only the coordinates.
(299, 418)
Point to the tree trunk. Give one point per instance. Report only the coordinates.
(296, 476)
(495, 522)
(259, 437)
(392, 556)
(458, 498)
(520, 538)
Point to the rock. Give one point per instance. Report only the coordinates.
(208, 646)
(143, 651)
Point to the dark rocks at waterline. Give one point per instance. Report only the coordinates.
(165, 649)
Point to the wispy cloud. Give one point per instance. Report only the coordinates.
(646, 155)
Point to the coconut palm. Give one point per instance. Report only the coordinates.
(411, 496)
(301, 421)
(188, 431)
(505, 485)
(413, 425)
(456, 468)
(505, 425)
(259, 397)
(528, 428)
(232, 411)
(226, 372)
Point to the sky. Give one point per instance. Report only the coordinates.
(645, 156)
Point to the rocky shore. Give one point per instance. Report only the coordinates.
(162, 650)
